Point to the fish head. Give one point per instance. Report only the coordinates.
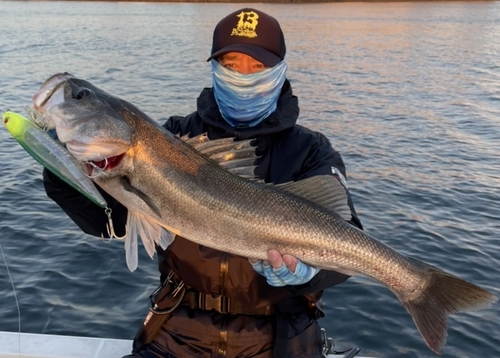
(94, 126)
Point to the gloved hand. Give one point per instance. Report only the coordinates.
(283, 270)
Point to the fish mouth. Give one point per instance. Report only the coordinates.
(98, 158)
(44, 94)
(94, 168)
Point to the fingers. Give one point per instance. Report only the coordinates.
(281, 270)
(275, 259)
(290, 262)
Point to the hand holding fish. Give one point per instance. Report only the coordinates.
(282, 270)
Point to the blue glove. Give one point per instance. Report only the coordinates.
(282, 276)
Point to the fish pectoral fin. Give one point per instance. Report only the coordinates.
(143, 196)
(323, 190)
(238, 157)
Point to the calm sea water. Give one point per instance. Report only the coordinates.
(409, 93)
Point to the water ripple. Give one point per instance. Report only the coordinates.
(407, 92)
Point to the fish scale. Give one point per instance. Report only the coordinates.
(164, 181)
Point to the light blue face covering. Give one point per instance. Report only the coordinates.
(245, 100)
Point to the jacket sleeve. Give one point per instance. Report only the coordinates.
(323, 159)
(182, 125)
(88, 216)
(172, 124)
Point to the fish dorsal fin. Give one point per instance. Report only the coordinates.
(238, 157)
(323, 190)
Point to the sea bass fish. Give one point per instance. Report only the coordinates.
(51, 154)
(177, 185)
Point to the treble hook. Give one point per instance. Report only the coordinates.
(36, 117)
(100, 171)
(110, 227)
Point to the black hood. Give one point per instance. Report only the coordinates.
(284, 117)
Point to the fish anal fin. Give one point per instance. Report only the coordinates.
(323, 190)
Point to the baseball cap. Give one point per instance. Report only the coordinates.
(252, 32)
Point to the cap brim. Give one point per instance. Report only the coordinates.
(267, 58)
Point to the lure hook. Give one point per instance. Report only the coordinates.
(36, 118)
(110, 227)
(100, 171)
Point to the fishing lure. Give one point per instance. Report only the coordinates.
(51, 154)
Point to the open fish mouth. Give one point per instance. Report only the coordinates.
(98, 159)
(47, 90)
(96, 168)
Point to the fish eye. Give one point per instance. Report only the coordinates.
(82, 93)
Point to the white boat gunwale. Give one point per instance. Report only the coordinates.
(33, 345)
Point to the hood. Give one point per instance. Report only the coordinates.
(284, 117)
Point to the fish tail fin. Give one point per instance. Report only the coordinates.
(445, 294)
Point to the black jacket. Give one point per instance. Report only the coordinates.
(287, 152)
